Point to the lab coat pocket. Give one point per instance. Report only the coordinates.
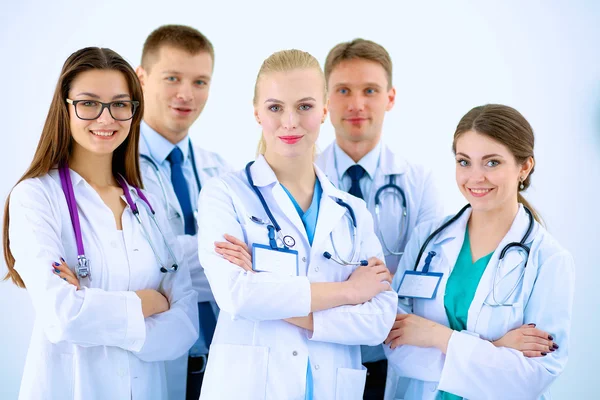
(350, 383)
(236, 372)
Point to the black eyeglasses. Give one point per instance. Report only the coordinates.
(121, 110)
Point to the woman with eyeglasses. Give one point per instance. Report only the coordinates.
(111, 294)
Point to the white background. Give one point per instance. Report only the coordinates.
(542, 58)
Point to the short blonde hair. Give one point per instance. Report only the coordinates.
(284, 61)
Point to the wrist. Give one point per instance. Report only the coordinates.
(348, 292)
(442, 337)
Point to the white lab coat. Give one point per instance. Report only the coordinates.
(473, 367)
(422, 200)
(208, 165)
(255, 355)
(94, 343)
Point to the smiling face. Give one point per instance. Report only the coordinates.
(290, 108)
(176, 87)
(104, 134)
(487, 173)
(358, 100)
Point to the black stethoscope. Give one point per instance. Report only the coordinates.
(520, 246)
(397, 191)
(288, 241)
(161, 183)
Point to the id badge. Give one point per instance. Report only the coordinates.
(419, 285)
(279, 261)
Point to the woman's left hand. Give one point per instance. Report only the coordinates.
(410, 329)
(235, 251)
(63, 271)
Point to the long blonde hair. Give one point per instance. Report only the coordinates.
(284, 61)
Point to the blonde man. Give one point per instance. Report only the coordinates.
(359, 81)
(176, 71)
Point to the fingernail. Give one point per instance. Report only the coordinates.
(531, 325)
(56, 271)
(62, 259)
(57, 264)
(555, 346)
(552, 349)
(550, 337)
(65, 279)
(544, 354)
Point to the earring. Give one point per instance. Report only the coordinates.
(521, 186)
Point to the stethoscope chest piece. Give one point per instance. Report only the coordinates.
(289, 241)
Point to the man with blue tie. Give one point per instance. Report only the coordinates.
(175, 73)
(359, 83)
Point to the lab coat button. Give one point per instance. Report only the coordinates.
(316, 269)
(304, 259)
(317, 366)
(294, 353)
(433, 387)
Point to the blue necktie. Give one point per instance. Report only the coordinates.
(182, 191)
(356, 172)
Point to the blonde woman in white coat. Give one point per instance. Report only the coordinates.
(292, 319)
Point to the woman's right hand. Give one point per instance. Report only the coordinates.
(153, 302)
(529, 340)
(368, 281)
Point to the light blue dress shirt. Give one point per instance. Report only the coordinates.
(370, 162)
(160, 148)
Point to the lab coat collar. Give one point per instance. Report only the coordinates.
(515, 233)
(369, 162)
(512, 260)
(262, 174)
(330, 212)
(389, 163)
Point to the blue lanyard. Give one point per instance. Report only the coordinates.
(275, 228)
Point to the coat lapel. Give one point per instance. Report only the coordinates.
(512, 260)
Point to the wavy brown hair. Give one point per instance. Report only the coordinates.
(56, 141)
(508, 127)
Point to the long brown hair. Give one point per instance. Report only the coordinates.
(507, 126)
(54, 147)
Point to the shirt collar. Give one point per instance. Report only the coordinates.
(369, 162)
(159, 147)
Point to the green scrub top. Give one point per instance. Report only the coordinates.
(460, 290)
(309, 220)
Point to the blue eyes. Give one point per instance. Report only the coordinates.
(367, 91)
(174, 79)
(462, 163)
(492, 163)
(301, 107)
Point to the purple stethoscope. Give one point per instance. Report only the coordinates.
(83, 264)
